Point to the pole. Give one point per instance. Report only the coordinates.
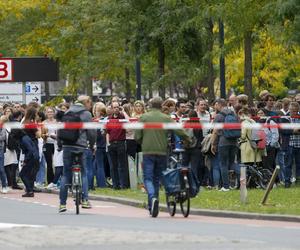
(243, 184)
(24, 92)
(270, 185)
(138, 78)
(222, 60)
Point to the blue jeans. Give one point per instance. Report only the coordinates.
(99, 167)
(67, 174)
(40, 176)
(28, 174)
(227, 156)
(2, 170)
(282, 160)
(216, 170)
(89, 167)
(293, 153)
(152, 172)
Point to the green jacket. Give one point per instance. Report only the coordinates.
(155, 141)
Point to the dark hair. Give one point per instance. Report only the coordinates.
(193, 114)
(59, 115)
(267, 96)
(42, 115)
(221, 101)
(30, 114)
(15, 115)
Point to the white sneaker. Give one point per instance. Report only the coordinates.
(4, 190)
(224, 189)
(51, 185)
(39, 185)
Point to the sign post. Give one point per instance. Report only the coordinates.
(23, 92)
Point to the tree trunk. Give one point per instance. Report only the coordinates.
(222, 60)
(138, 78)
(138, 71)
(161, 68)
(89, 86)
(191, 93)
(127, 74)
(150, 91)
(210, 73)
(248, 66)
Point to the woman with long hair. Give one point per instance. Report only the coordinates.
(49, 140)
(29, 146)
(99, 112)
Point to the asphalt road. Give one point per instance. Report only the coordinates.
(34, 223)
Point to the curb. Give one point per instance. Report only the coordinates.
(194, 211)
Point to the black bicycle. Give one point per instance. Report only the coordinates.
(177, 187)
(76, 186)
(257, 176)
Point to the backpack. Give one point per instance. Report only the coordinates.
(206, 144)
(69, 136)
(258, 139)
(231, 133)
(12, 141)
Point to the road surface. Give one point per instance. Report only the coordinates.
(34, 223)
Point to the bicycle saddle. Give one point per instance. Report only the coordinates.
(178, 150)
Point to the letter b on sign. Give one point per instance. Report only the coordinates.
(6, 70)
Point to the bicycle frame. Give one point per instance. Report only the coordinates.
(76, 185)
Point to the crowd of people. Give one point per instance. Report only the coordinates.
(39, 158)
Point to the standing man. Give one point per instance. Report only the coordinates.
(80, 108)
(226, 145)
(116, 142)
(270, 101)
(203, 114)
(154, 147)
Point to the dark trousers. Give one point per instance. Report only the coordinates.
(11, 174)
(58, 174)
(48, 153)
(119, 165)
(194, 157)
(28, 174)
(131, 148)
(269, 161)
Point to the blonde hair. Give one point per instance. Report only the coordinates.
(136, 103)
(100, 107)
(83, 99)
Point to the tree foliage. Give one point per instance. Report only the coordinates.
(101, 38)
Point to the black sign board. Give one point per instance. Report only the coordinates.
(23, 69)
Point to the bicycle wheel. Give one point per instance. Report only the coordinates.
(171, 204)
(184, 198)
(77, 198)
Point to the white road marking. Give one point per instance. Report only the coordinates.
(105, 206)
(9, 225)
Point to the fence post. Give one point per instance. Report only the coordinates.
(270, 185)
(243, 184)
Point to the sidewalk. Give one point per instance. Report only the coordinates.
(193, 211)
